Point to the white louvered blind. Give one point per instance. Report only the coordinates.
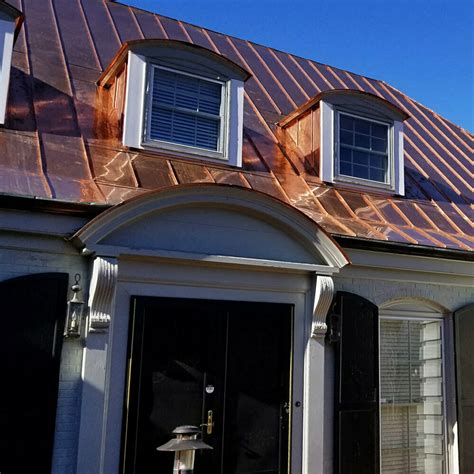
(411, 389)
(185, 110)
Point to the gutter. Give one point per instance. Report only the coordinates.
(405, 249)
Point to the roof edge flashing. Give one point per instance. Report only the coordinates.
(154, 45)
(327, 95)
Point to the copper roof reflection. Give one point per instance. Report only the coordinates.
(62, 139)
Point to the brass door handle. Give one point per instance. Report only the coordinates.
(210, 423)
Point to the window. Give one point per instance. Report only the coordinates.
(10, 23)
(363, 148)
(185, 110)
(361, 142)
(412, 411)
(182, 100)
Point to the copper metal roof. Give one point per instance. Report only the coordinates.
(57, 142)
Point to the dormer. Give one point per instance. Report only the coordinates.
(354, 138)
(10, 24)
(179, 99)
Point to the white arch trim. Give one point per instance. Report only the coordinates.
(91, 239)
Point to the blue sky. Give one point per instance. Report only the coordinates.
(422, 47)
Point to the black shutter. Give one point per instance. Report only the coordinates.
(464, 347)
(32, 320)
(355, 332)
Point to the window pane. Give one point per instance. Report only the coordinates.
(347, 123)
(362, 126)
(346, 137)
(411, 392)
(185, 110)
(345, 168)
(362, 141)
(361, 158)
(378, 144)
(377, 175)
(346, 154)
(379, 130)
(361, 172)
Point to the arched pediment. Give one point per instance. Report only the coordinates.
(215, 223)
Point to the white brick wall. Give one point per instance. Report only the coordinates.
(381, 292)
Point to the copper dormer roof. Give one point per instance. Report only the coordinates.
(62, 136)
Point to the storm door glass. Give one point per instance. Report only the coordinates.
(411, 390)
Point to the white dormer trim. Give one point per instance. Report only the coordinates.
(329, 147)
(135, 134)
(7, 36)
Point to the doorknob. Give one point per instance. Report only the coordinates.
(210, 423)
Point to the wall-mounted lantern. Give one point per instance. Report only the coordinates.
(75, 309)
(184, 446)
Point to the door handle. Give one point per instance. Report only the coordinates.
(210, 423)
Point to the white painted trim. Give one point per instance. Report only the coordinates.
(117, 251)
(398, 159)
(327, 142)
(105, 362)
(316, 432)
(241, 200)
(329, 164)
(7, 33)
(137, 106)
(133, 117)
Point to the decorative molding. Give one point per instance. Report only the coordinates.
(323, 296)
(102, 292)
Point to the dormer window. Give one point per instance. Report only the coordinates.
(350, 138)
(362, 148)
(180, 99)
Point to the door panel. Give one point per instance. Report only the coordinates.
(189, 357)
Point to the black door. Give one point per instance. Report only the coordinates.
(191, 360)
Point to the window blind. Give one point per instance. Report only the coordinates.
(412, 432)
(185, 110)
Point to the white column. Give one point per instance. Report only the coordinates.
(94, 370)
(317, 440)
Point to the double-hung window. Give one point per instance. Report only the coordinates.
(363, 148)
(412, 414)
(186, 111)
(183, 100)
(361, 142)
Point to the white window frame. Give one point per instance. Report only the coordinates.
(138, 104)
(396, 315)
(221, 151)
(7, 35)
(329, 164)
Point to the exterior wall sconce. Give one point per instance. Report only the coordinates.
(75, 309)
(184, 446)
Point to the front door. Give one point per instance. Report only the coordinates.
(193, 361)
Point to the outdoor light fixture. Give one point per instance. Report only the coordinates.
(75, 308)
(184, 446)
